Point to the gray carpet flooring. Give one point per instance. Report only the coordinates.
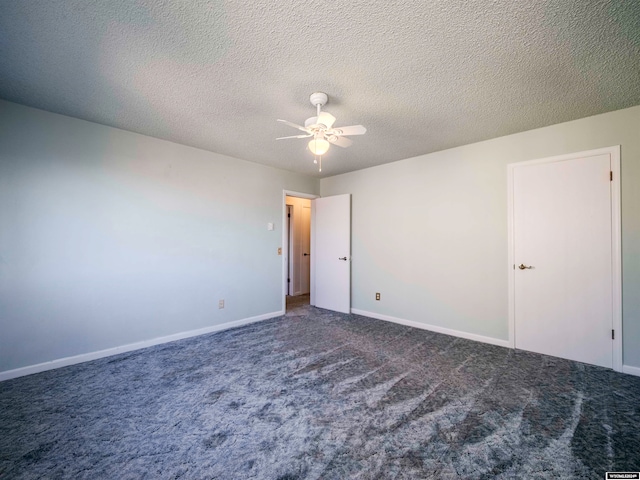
(320, 395)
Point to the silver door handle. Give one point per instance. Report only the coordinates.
(342, 258)
(522, 266)
(306, 254)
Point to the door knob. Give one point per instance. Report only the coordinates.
(342, 258)
(522, 266)
(306, 254)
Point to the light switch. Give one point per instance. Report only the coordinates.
(269, 226)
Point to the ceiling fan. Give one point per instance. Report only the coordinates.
(321, 129)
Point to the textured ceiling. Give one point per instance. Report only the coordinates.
(421, 75)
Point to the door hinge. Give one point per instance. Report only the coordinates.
(288, 280)
(613, 334)
(289, 215)
(611, 176)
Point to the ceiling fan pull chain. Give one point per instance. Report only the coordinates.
(320, 169)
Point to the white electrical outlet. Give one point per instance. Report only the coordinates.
(221, 303)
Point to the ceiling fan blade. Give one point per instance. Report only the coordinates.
(299, 127)
(326, 119)
(295, 136)
(340, 141)
(350, 130)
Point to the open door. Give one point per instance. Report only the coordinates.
(331, 270)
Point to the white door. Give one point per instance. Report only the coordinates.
(562, 233)
(306, 249)
(332, 252)
(290, 257)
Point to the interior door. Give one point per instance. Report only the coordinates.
(332, 251)
(563, 259)
(306, 249)
(289, 251)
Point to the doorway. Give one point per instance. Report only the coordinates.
(564, 257)
(298, 252)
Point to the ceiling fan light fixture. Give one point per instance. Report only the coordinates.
(319, 146)
(321, 129)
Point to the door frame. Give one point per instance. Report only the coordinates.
(285, 242)
(288, 250)
(616, 245)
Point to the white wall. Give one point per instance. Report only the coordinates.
(109, 237)
(430, 232)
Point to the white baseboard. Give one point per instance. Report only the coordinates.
(434, 328)
(63, 362)
(456, 333)
(85, 357)
(631, 370)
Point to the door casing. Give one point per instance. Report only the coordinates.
(616, 260)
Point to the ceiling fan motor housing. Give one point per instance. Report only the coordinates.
(318, 98)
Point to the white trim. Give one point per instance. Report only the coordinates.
(285, 243)
(616, 252)
(86, 357)
(433, 328)
(631, 370)
(64, 362)
(616, 243)
(511, 261)
(312, 266)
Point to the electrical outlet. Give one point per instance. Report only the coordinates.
(221, 303)
(377, 296)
